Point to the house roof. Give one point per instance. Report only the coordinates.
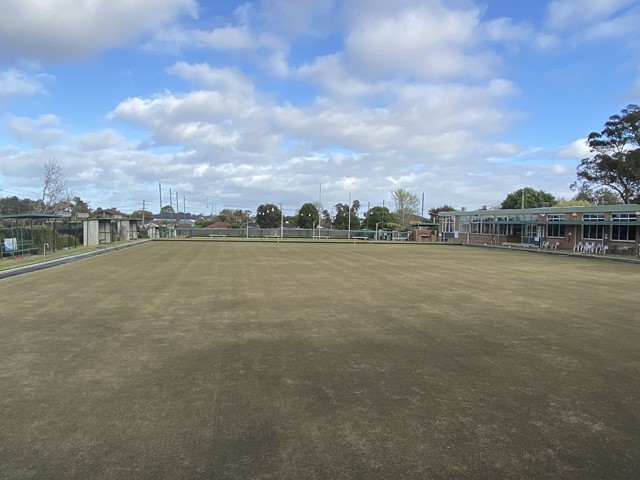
(219, 225)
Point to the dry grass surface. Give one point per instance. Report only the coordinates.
(188, 360)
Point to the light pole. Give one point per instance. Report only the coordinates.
(377, 223)
(248, 214)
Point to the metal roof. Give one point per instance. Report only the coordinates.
(30, 215)
(627, 208)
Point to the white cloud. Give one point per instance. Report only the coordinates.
(577, 149)
(227, 38)
(224, 79)
(573, 13)
(15, 82)
(506, 30)
(40, 132)
(430, 42)
(559, 169)
(619, 27)
(311, 18)
(330, 74)
(53, 31)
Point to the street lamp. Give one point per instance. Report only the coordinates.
(248, 214)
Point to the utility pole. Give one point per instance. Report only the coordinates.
(422, 214)
(170, 204)
(349, 205)
(160, 191)
(320, 209)
(143, 206)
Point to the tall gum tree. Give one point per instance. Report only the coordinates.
(616, 160)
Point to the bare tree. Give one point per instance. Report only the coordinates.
(54, 186)
(406, 206)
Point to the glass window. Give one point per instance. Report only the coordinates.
(624, 217)
(623, 233)
(555, 217)
(593, 217)
(464, 224)
(475, 225)
(593, 232)
(447, 224)
(556, 230)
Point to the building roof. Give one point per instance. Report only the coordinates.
(219, 225)
(30, 215)
(629, 208)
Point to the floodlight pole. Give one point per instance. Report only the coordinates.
(281, 221)
(349, 215)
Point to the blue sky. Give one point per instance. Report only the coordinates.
(234, 104)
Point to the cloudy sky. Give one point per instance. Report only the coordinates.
(233, 104)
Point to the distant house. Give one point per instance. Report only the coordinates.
(219, 225)
(107, 213)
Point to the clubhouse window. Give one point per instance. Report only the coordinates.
(623, 232)
(593, 217)
(593, 232)
(475, 225)
(556, 230)
(447, 224)
(530, 230)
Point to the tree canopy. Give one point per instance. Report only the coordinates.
(14, 205)
(616, 160)
(532, 198)
(268, 216)
(433, 212)
(308, 216)
(600, 196)
(343, 212)
(378, 214)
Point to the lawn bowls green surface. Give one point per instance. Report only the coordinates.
(249, 360)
